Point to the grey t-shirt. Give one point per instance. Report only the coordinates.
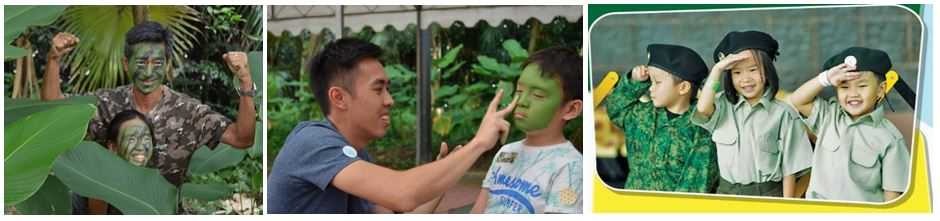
(301, 177)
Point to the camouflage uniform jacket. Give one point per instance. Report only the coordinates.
(663, 154)
(181, 124)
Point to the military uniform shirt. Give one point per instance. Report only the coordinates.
(856, 160)
(181, 124)
(757, 143)
(663, 154)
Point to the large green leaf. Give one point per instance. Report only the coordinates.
(102, 30)
(445, 91)
(16, 18)
(32, 143)
(132, 189)
(207, 192)
(207, 161)
(256, 150)
(256, 181)
(15, 109)
(10, 52)
(516, 52)
(256, 62)
(52, 198)
(448, 58)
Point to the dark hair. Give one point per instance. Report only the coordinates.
(148, 31)
(114, 127)
(334, 62)
(771, 81)
(564, 63)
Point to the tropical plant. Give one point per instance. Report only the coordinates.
(28, 151)
(18, 21)
(17, 18)
(97, 60)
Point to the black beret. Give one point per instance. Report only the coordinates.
(737, 41)
(866, 59)
(679, 61)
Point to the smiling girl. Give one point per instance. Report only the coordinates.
(761, 143)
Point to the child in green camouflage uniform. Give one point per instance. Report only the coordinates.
(665, 151)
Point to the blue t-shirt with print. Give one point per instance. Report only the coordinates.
(301, 177)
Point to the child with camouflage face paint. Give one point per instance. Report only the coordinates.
(548, 93)
(130, 137)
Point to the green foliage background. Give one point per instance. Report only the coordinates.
(469, 63)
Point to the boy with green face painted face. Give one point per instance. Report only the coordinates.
(542, 173)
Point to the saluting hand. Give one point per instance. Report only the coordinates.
(728, 62)
(842, 73)
(640, 73)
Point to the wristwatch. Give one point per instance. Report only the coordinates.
(249, 93)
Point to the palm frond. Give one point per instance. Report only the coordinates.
(96, 62)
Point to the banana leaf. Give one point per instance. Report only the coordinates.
(32, 143)
(92, 171)
(52, 199)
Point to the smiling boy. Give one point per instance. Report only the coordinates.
(860, 155)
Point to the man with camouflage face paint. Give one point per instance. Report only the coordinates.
(181, 124)
(541, 173)
(146, 65)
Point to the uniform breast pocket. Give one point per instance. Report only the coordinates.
(726, 141)
(864, 168)
(768, 154)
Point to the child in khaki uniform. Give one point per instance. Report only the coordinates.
(761, 142)
(860, 155)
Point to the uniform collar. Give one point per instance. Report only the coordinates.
(764, 99)
(874, 117)
(683, 117)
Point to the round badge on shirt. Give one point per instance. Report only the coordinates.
(349, 151)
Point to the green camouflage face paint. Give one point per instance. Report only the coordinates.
(135, 143)
(539, 99)
(147, 66)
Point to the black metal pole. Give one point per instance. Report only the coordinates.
(423, 153)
